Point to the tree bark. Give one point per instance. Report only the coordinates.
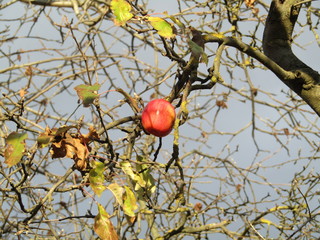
(277, 41)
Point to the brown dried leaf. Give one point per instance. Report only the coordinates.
(239, 187)
(92, 134)
(197, 207)
(23, 92)
(254, 91)
(71, 147)
(286, 131)
(28, 71)
(222, 104)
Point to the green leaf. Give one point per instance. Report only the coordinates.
(87, 93)
(96, 177)
(44, 139)
(163, 28)
(15, 147)
(129, 202)
(103, 226)
(121, 10)
(195, 48)
(117, 192)
(63, 129)
(127, 169)
(145, 173)
(198, 51)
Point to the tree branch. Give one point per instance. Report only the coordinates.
(277, 41)
(252, 52)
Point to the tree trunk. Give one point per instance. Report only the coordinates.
(277, 41)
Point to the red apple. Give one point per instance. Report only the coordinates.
(158, 117)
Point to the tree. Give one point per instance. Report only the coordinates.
(241, 162)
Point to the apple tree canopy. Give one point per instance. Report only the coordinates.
(242, 159)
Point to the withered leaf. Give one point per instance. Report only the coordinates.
(222, 104)
(71, 147)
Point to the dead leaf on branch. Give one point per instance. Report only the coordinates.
(222, 104)
(23, 92)
(198, 207)
(286, 131)
(65, 145)
(28, 71)
(71, 147)
(90, 136)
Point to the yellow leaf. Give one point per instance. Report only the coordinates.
(96, 177)
(103, 226)
(163, 28)
(127, 169)
(121, 10)
(117, 191)
(129, 202)
(145, 174)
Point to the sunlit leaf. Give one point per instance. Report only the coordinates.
(96, 177)
(87, 93)
(145, 174)
(129, 202)
(163, 28)
(45, 138)
(15, 147)
(217, 35)
(90, 136)
(71, 147)
(117, 191)
(62, 129)
(121, 10)
(103, 226)
(127, 169)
